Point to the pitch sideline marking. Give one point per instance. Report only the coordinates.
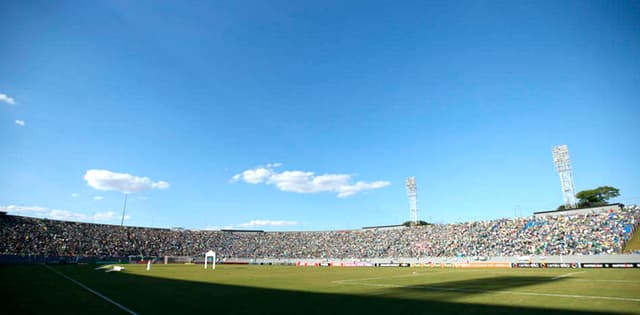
(567, 275)
(577, 296)
(100, 295)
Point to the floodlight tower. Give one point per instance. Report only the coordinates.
(413, 199)
(563, 167)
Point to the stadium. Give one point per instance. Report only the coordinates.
(574, 261)
(319, 157)
(582, 258)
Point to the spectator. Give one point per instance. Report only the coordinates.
(586, 234)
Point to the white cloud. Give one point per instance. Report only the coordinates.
(122, 182)
(160, 185)
(75, 195)
(98, 198)
(23, 209)
(254, 224)
(66, 215)
(254, 176)
(20, 123)
(108, 216)
(6, 99)
(306, 182)
(267, 223)
(349, 190)
(58, 214)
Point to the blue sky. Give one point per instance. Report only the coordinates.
(288, 115)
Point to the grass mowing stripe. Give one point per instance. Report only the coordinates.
(414, 274)
(567, 275)
(122, 307)
(576, 296)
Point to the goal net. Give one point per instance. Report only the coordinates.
(178, 260)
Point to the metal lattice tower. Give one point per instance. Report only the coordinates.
(563, 167)
(413, 199)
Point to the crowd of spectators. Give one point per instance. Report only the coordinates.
(585, 234)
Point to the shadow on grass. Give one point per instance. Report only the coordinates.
(451, 290)
(150, 295)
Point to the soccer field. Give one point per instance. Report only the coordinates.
(230, 289)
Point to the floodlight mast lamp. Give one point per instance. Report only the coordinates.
(413, 199)
(563, 167)
(123, 209)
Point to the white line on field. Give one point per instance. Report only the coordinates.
(576, 296)
(92, 291)
(567, 275)
(378, 278)
(414, 274)
(606, 280)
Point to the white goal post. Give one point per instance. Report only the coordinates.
(211, 254)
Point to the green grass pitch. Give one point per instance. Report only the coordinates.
(182, 289)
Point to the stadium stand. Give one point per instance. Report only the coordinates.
(583, 234)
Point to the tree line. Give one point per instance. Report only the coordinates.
(595, 197)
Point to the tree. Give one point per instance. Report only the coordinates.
(420, 222)
(597, 197)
